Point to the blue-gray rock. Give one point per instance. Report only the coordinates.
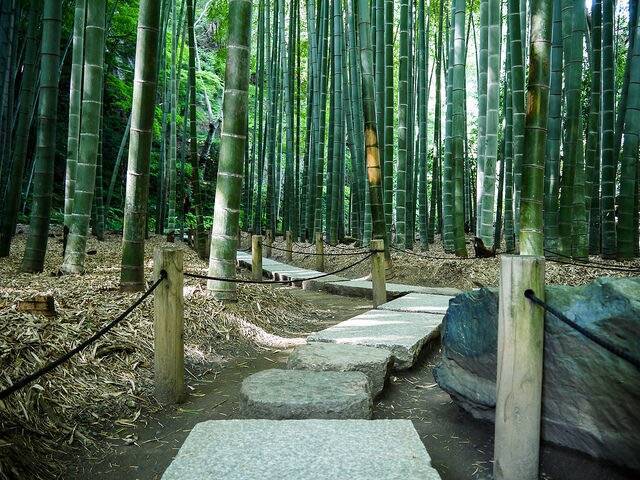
(591, 397)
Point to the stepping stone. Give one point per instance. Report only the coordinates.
(298, 394)
(362, 288)
(302, 450)
(419, 302)
(402, 333)
(373, 362)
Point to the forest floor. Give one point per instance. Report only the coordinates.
(95, 416)
(95, 401)
(445, 270)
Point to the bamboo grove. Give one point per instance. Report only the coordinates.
(415, 121)
(444, 171)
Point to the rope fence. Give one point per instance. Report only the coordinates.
(610, 347)
(23, 382)
(279, 282)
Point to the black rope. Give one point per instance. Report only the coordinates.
(428, 257)
(589, 264)
(326, 254)
(614, 349)
(277, 282)
(67, 356)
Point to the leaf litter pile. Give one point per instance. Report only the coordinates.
(444, 269)
(91, 402)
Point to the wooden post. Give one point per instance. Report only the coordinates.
(519, 376)
(168, 307)
(269, 241)
(289, 239)
(256, 257)
(319, 253)
(379, 289)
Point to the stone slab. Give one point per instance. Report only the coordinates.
(402, 333)
(302, 394)
(373, 362)
(419, 302)
(302, 450)
(362, 288)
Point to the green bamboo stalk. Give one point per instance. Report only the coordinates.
(423, 117)
(33, 260)
(554, 136)
(75, 107)
(570, 213)
(29, 77)
(116, 165)
(436, 197)
(609, 162)
(173, 124)
(517, 79)
(483, 67)
(93, 74)
(226, 217)
(509, 234)
(140, 141)
(403, 98)
(388, 114)
(457, 123)
(592, 177)
(487, 211)
(627, 228)
(338, 133)
(200, 240)
(531, 222)
(374, 168)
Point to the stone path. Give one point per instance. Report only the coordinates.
(336, 284)
(328, 383)
(303, 450)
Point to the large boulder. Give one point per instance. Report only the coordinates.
(591, 397)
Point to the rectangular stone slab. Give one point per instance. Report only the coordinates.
(403, 333)
(302, 450)
(362, 288)
(419, 302)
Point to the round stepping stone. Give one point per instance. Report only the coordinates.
(302, 394)
(373, 362)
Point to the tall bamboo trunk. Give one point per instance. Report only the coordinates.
(75, 108)
(554, 137)
(140, 141)
(33, 260)
(226, 217)
(535, 139)
(199, 239)
(89, 138)
(29, 77)
(374, 169)
(627, 227)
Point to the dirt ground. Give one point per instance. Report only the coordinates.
(94, 402)
(461, 448)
